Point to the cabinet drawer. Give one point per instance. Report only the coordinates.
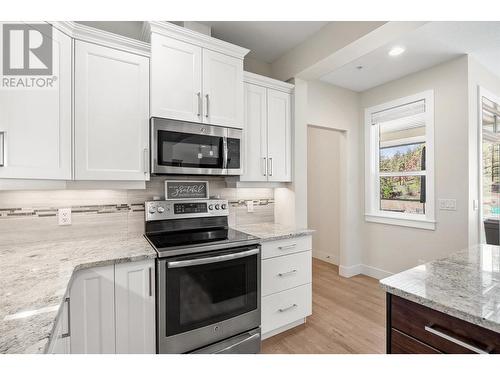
(286, 272)
(284, 247)
(441, 331)
(286, 307)
(404, 344)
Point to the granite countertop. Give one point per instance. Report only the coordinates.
(465, 285)
(35, 277)
(272, 231)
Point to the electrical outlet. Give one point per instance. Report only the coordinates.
(64, 216)
(250, 206)
(448, 204)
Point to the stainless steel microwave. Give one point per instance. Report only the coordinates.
(180, 147)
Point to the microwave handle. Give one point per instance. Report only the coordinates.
(2, 148)
(224, 153)
(216, 259)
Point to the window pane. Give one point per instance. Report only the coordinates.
(403, 194)
(402, 158)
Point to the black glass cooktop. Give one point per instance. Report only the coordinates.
(170, 242)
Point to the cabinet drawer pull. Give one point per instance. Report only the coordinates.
(199, 104)
(150, 284)
(287, 273)
(68, 334)
(270, 171)
(146, 160)
(440, 333)
(208, 105)
(287, 247)
(288, 308)
(2, 148)
(264, 169)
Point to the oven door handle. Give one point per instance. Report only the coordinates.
(220, 258)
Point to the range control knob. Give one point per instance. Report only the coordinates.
(161, 209)
(217, 207)
(223, 206)
(152, 210)
(210, 206)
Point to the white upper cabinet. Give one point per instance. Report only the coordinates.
(111, 114)
(35, 123)
(135, 307)
(222, 89)
(195, 77)
(255, 134)
(267, 152)
(175, 79)
(279, 139)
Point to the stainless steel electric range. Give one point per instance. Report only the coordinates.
(207, 279)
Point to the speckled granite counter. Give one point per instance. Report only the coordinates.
(465, 285)
(272, 231)
(34, 279)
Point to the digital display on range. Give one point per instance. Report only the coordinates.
(190, 208)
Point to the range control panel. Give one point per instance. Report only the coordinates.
(168, 210)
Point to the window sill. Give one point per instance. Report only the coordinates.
(401, 221)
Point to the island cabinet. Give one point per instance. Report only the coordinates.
(418, 329)
(286, 284)
(109, 309)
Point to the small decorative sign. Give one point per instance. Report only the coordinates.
(175, 189)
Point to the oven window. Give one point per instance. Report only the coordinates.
(189, 150)
(205, 294)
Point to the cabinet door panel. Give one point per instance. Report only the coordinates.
(111, 114)
(255, 134)
(175, 79)
(279, 136)
(36, 122)
(135, 307)
(92, 311)
(222, 89)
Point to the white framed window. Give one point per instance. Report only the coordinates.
(399, 162)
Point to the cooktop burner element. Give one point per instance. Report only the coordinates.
(175, 228)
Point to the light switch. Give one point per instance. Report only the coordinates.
(448, 204)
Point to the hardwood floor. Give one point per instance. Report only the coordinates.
(348, 317)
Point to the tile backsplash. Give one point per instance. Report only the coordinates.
(31, 216)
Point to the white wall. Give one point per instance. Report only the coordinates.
(479, 76)
(337, 108)
(257, 66)
(392, 248)
(324, 182)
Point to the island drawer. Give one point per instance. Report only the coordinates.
(443, 332)
(283, 247)
(286, 272)
(404, 344)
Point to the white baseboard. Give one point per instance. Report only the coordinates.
(330, 258)
(349, 271)
(363, 269)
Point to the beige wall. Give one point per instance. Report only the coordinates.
(392, 248)
(479, 76)
(257, 67)
(324, 179)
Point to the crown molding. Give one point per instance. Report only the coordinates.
(193, 37)
(105, 38)
(271, 83)
(146, 32)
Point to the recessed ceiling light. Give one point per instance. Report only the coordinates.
(396, 51)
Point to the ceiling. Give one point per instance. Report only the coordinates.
(267, 40)
(431, 44)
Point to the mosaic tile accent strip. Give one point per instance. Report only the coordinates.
(6, 213)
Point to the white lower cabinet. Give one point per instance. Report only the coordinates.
(286, 284)
(92, 311)
(135, 307)
(111, 310)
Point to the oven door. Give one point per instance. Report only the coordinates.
(207, 297)
(179, 147)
